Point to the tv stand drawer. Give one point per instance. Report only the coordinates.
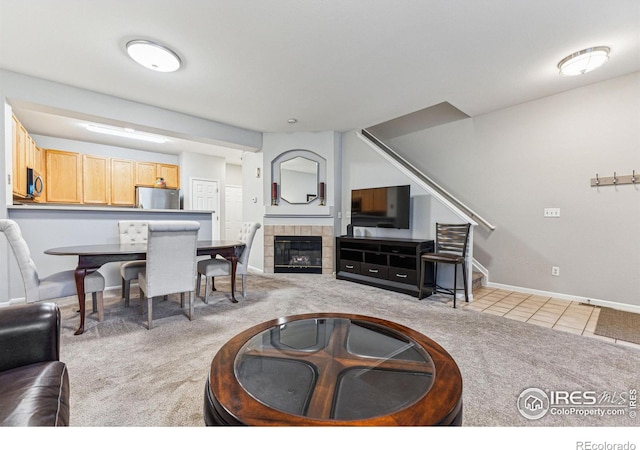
(403, 275)
(374, 270)
(350, 266)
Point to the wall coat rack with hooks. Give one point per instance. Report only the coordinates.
(615, 180)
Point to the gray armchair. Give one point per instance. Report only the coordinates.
(217, 267)
(171, 263)
(57, 285)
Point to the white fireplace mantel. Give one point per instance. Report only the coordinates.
(298, 211)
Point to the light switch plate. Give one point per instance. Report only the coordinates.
(552, 212)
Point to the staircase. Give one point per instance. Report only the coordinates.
(438, 192)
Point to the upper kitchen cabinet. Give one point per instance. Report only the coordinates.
(19, 173)
(148, 172)
(145, 173)
(96, 180)
(171, 175)
(64, 176)
(123, 177)
(26, 154)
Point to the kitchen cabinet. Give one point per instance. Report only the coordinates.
(96, 180)
(122, 182)
(148, 172)
(19, 155)
(170, 173)
(63, 176)
(25, 154)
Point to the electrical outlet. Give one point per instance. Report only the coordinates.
(555, 271)
(552, 212)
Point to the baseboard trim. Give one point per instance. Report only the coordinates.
(574, 298)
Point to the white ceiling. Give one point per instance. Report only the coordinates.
(332, 64)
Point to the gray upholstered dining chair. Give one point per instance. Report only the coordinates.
(171, 263)
(57, 285)
(217, 267)
(131, 232)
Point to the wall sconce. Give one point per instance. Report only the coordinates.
(321, 194)
(274, 194)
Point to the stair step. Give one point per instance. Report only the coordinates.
(476, 280)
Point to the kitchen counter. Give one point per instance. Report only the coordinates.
(75, 208)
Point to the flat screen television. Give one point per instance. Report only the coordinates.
(382, 207)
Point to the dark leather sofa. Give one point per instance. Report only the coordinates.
(34, 383)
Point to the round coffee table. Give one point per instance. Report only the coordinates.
(332, 369)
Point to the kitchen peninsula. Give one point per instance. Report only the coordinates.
(48, 226)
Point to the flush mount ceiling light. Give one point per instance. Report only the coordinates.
(584, 61)
(153, 56)
(127, 133)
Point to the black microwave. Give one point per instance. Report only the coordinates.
(35, 184)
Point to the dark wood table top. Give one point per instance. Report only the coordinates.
(333, 369)
(124, 249)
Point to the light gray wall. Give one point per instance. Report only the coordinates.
(253, 204)
(511, 164)
(234, 174)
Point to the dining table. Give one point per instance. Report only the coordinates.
(92, 257)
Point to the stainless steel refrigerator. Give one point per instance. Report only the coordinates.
(157, 198)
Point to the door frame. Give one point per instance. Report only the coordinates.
(215, 216)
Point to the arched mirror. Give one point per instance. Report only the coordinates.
(298, 180)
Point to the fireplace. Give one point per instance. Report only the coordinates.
(297, 254)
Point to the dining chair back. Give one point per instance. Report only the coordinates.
(216, 267)
(57, 285)
(131, 232)
(171, 262)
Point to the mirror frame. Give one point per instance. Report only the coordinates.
(291, 154)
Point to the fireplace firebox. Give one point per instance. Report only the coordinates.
(297, 254)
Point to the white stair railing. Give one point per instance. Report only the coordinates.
(422, 179)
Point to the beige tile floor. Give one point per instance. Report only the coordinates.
(564, 315)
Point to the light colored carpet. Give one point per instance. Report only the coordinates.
(618, 324)
(124, 375)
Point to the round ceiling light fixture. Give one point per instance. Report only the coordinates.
(292, 121)
(584, 61)
(153, 55)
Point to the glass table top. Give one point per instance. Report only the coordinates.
(334, 368)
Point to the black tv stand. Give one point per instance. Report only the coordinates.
(387, 263)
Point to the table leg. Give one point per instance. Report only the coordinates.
(234, 264)
(79, 276)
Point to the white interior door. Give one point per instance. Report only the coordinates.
(233, 208)
(205, 197)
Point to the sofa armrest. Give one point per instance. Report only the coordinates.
(29, 334)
